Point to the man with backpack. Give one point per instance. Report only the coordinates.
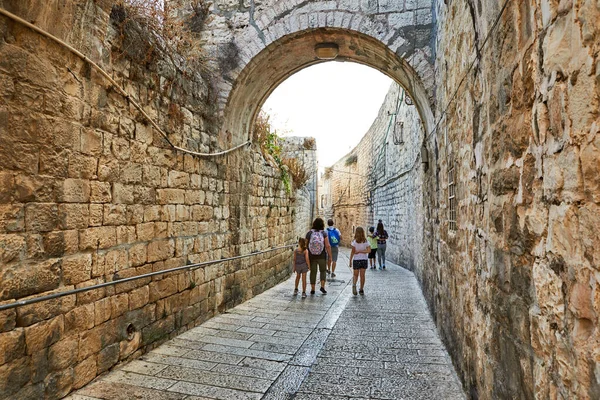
(334, 241)
(318, 251)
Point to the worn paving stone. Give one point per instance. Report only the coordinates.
(382, 345)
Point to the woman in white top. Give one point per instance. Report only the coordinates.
(359, 259)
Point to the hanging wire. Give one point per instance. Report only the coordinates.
(122, 91)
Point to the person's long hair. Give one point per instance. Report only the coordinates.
(359, 235)
(302, 243)
(380, 229)
(318, 224)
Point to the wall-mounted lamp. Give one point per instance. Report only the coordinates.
(327, 51)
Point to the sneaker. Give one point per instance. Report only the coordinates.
(312, 292)
(361, 292)
(384, 267)
(295, 292)
(333, 275)
(328, 272)
(380, 268)
(354, 290)
(323, 290)
(303, 295)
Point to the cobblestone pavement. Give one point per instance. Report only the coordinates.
(382, 345)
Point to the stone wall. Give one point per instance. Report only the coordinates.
(515, 287)
(89, 193)
(303, 149)
(381, 178)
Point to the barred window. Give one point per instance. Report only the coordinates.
(451, 196)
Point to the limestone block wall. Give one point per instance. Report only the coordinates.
(90, 194)
(381, 178)
(303, 149)
(515, 287)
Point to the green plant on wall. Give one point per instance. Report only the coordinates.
(269, 141)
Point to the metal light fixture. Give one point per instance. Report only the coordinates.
(327, 51)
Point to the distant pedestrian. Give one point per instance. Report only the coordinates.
(358, 259)
(318, 252)
(382, 237)
(301, 263)
(334, 241)
(373, 244)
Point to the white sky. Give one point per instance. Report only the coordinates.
(334, 102)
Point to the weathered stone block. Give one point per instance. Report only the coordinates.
(100, 192)
(80, 319)
(82, 167)
(77, 268)
(163, 288)
(126, 234)
(43, 334)
(41, 217)
(158, 330)
(119, 305)
(138, 254)
(25, 279)
(144, 195)
(178, 179)
(12, 248)
(54, 244)
(131, 173)
(7, 187)
(75, 191)
(171, 196)
(91, 142)
(63, 354)
(160, 250)
(108, 357)
(139, 297)
(115, 214)
(96, 215)
(120, 148)
(13, 376)
(12, 345)
(97, 238)
(59, 384)
(28, 188)
(73, 216)
(84, 372)
(122, 194)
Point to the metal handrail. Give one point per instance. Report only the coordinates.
(21, 303)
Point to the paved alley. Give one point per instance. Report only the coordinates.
(382, 345)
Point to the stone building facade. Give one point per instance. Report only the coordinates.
(382, 178)
(508, 94)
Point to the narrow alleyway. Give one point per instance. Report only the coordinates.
(382, 345)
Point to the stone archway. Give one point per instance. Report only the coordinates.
(294, 52)
(256, 44)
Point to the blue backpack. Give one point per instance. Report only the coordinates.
(334, 236)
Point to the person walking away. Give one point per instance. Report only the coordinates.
(358, 259)
(382, 237)
(334, 241)
(301, 263)
(318, 251)
(373, 244)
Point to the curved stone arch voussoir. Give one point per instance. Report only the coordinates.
(295, 51)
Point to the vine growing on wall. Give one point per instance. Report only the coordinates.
(270, 145)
